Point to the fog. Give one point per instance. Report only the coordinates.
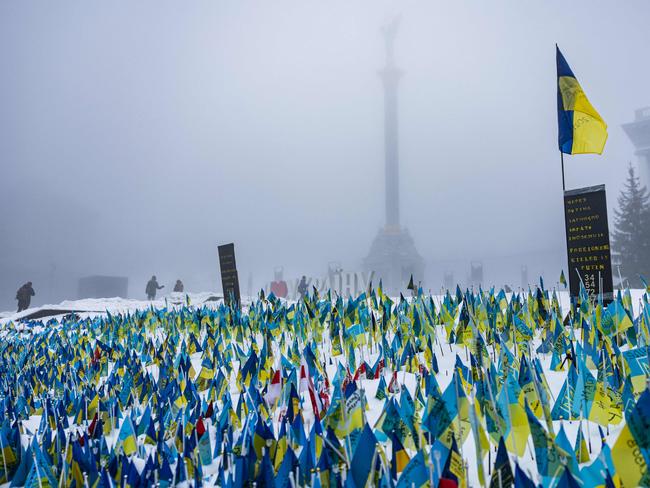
(137, 136)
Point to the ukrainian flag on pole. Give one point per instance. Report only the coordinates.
(581, 129)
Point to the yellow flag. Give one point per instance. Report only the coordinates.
(628, 459)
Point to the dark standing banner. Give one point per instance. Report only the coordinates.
(229, 278)
(587, 239)
(476, 273)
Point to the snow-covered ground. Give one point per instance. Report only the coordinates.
(446, 361)
(91, 307)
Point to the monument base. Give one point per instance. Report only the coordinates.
(394, 258)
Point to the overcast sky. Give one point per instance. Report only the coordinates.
(136, 136)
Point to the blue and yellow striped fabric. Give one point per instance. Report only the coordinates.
(581, 129)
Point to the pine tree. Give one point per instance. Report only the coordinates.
(631, 236)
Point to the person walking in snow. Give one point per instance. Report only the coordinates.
(24, 296)
(178, 287)
(302, 287)
(152, 288)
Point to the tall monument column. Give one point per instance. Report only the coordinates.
(390, 76)
(393, 256)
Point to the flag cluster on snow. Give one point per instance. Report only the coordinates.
(329, 392)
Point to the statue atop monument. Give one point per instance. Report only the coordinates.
(389, 32)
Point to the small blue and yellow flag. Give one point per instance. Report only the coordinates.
(581, 129)
(563, 278)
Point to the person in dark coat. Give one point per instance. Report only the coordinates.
(302, 287)
(152, 288)
(178, 287)
(24, 296)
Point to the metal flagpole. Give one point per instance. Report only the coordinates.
(562, 161)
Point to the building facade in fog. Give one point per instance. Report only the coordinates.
(103, 287)
(639, 133)
(393, 256)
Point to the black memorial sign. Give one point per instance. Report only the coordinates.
(229, 278)
(587, 236)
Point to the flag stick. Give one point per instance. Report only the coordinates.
(579, 432)
(2, 449)
(38, 475)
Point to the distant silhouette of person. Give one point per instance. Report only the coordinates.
(152, 288)
(178, 287)
(24, 296)
(302, 286)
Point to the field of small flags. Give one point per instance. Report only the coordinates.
(477, 388)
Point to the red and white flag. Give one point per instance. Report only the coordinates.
(275, 388)
(394, 386)
(306, 384)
